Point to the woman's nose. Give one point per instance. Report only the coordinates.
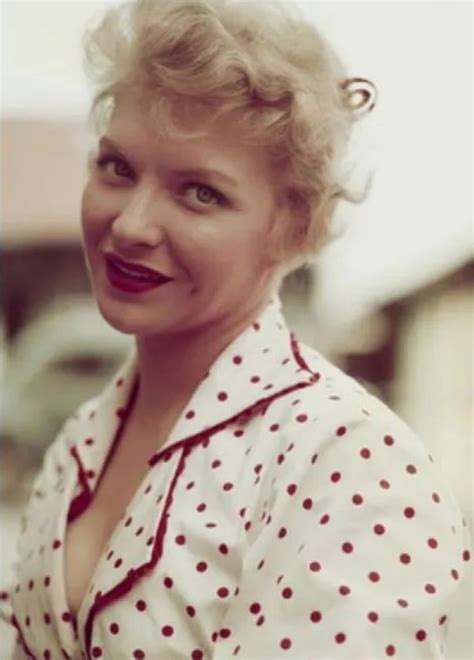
(137, 222)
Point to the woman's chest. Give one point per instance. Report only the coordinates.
(87, 537)
(173, 561)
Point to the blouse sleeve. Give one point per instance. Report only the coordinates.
(55, 455)
(360, 554)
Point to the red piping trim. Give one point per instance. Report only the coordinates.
(15, 624)
(127, 583)
(299, 358)
(82, 501)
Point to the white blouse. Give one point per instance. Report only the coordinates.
(290, 514)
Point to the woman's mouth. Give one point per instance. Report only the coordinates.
(130, 281)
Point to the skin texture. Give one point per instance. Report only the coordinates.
(137, 206)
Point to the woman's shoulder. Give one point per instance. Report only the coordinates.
(340, 430)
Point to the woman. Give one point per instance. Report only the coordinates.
(231, 492)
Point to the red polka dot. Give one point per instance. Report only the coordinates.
(420, 635)
(167, 631)
(274, 427)
(315, 566)
(255, 379)
(114, 628)
(27, 621)
(31, 584)
(344, 590)
(455, 574)
(384, 484)
(180, 539)
(388, 440)
(190, 414)
(222, 396)
(357, 499)
(405, 558)
(255, 608)
(347, 547)
(282, 532)
(138, 654)
(222, 592)
(285, 643)
(118, 563)
(201, 566)
(435, 497)
(365, 453)
(409, 512)
(237, 359)
(324, 519)
(224, 633)
(411, 469)
(430, 588)
(379, 529)
(433, 543)
(301, 418)
(335, 476)
(340, 638)
(373, 617)
(97, 652)
(442, 619)
(56, 544)
(291, 489)
(47, 654)
(341, 430)
(140, 605)
(128, 522)
(168, 582)
(390, 650)
(190, 610)
(197, 654)
(47, 581)
(466, 555)
(316, 616)
(374, 576)
(66, 617)
(260, 620)
(228, 486)
(287, 592)
(201, 507)
(402, 602)
(223, 549)
(46, 618)
(307, 503)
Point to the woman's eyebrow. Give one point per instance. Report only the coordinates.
(203, 172)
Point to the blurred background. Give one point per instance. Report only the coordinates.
(390, 300)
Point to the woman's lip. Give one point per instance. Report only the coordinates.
(138, 268)
(128, 284)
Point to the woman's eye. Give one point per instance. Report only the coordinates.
(205, 194)
(105, 160)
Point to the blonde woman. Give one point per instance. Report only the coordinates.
(230, 492)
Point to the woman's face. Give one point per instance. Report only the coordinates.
(146, 202)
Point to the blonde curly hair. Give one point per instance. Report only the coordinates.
(262, 62)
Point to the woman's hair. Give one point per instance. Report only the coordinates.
(262, 62)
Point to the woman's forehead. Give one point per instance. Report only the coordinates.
(223, 141)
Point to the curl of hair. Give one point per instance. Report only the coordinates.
(263, 63)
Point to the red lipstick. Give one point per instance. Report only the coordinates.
(133, 278)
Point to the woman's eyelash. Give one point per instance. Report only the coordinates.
(102, 161)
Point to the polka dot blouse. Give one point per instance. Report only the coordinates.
(290, 514)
